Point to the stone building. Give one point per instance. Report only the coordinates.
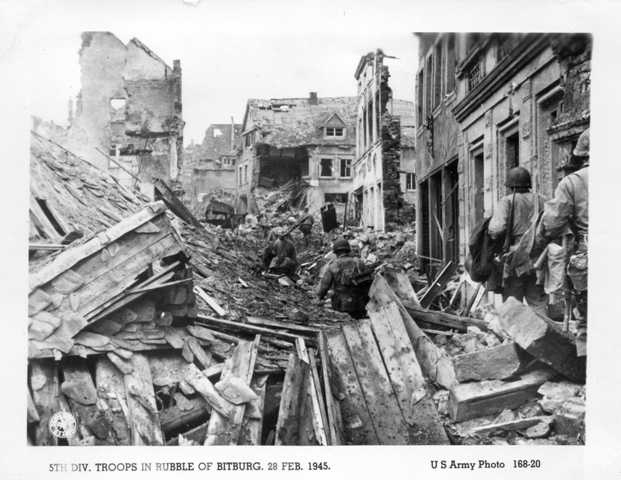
(487, 103)
(209, 167)
(310, 139)
(129, 107)
(384, 164)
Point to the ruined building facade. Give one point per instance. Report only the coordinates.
(299, 139)
(384, 163)
(485, 104)
(209, 167)
(129, 108)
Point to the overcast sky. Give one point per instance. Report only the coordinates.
(229, 51)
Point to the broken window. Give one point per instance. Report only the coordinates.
(335, 198)
(118, 103)
(410, 181)
(475, 75)
(437, 76)
(326, 167)
(249, 141)
(245, 173)
(450, 63)
(345, 167)
(335, 131)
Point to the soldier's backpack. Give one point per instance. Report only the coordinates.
(481, 251)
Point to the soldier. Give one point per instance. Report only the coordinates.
(568, 212)
(306, 226)
(280, 257)
(511, 220)
(340, 276)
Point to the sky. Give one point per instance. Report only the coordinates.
(229, 51)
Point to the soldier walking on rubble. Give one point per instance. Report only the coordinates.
(341, 276)
(306, 226)
(511, 219)
(279, 256)
(567, 213)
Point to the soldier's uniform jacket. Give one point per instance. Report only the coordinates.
(522, 215)
(347, 297)
(569, 208)
(279, 250)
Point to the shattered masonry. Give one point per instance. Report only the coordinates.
(129, 108)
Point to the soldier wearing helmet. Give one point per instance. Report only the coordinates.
(280, 257)
(511, 219)
(340, 276)
(568, 212)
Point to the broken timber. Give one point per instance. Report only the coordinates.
(542, 339)
(495, 363)
(477, 399)
(435, 363)
(175, 205)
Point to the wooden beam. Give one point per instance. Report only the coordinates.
(69, 257)
(226, 430)
(471, 400)
(45, 392)
(252, 425)
(113, 400)
(435, 363)
(496, 363)
(510, 426)
(144, 420)
(542, 339)
(438, 284)
(291, 398)
(334, 430)
(406, 376)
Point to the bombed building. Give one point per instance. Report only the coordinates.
(384, 164)
(485, 104)
(128, 116)
(309, 139)
(209, 167)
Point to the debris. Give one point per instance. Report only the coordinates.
(470, 400)
(543, 340)
(495, 363)
(569, 418)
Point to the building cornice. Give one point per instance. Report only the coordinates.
(528, 49)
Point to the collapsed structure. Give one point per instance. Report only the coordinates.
(384, 166)
(128, 116)
(304, 139)
(209, 167)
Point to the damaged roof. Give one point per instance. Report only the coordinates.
(292, 122)
(69, 194)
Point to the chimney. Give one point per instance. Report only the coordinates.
(177, 66)
(312, 99)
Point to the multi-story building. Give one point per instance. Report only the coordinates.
(384, 164)
(310, 139)
(209, 167)
(486, 103)
(129, 108)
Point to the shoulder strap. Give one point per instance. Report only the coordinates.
(509, 231)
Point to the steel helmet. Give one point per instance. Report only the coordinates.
(341, 245)
(582, 146)
(518, 177)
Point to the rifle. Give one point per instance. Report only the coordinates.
(366, 275)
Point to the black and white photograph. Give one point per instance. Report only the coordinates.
(247, 229)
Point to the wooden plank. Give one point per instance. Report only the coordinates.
(478, 399)
(317, 415)
(334, 433)
(205, 388)
(79, 389)
(37, 213)
(143, 417)
(434, 362)
(291, 399)
(223, 430)
(542, 339)
(438, 284)
(113, 401)
(68, 258)
(383, 407)
(242, 327)
(31, 409)
(322, 427)
(406, 377)
(175, 205)
(510, 426)
(209, 300)
(358, 427)
(401, 285)
(184, 413)
(264, 322)
(45, 391)
(496, 363)
(252, 425)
